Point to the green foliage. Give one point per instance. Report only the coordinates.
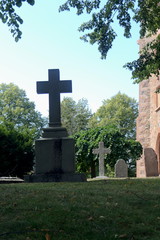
(121, 148)
(10, 17)
(120, 111)
(16, 151)
(100, 25)
(20, 125)
(148, 62)
(101, 28)
(17, 112)
(68, 111)
(75, 116)
(109, 171)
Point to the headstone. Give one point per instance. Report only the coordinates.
(10, 180)
(147, 166)
(121, 169)
(101, 151)
(55, 154)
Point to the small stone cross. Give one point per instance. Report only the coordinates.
(54, 87)
(101, 151)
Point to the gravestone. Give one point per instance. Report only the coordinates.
(121, 169)
(151, 162)
(101, 151)
(55, 154)
(7, 180)
(147, 166)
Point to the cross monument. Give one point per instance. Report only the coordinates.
(55, 151)
(101, 151)
(54, 87)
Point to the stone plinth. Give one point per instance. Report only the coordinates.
(55, 158)
(55, 155)
(56, 177)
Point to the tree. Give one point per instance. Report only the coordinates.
(17, 153)
(9, 16)
(17, 112)
(120, 111)
(121, 148)
(83, 115)
(75, 116)
(20, 125)
(68, 112)
(148, 62)
(100, 29)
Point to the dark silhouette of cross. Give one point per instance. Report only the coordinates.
(54, 87)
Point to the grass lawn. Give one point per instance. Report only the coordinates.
(96, 210)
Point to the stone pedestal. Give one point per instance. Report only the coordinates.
(55, 158)
(54, 155)
(56, 177)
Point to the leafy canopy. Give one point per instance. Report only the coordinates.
(20, 125)
(75, 116)
(9, 16)
(16, 151)
(121, 147)
(100, 28)
(17, 112)
(120, 111)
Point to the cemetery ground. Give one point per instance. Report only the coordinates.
(95, 210)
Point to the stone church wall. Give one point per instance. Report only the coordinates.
(148, 125)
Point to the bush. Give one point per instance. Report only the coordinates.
(121, 148)
(16, 151)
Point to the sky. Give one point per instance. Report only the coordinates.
(51, 40)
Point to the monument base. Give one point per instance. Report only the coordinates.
(55, 155)
(102, 177)
(55, 158)
(56, 177)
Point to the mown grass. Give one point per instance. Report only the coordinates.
(107, 209)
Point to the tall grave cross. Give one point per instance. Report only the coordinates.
(54, 87)
(101, 151)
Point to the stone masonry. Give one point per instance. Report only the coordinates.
(148, 125)
(55, 151)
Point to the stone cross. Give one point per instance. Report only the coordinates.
(54, 87)
(101, 151)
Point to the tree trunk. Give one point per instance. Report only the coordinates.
(93, 169)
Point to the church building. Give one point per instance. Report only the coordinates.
(148, 124)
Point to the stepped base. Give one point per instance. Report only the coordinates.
(56, 177)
